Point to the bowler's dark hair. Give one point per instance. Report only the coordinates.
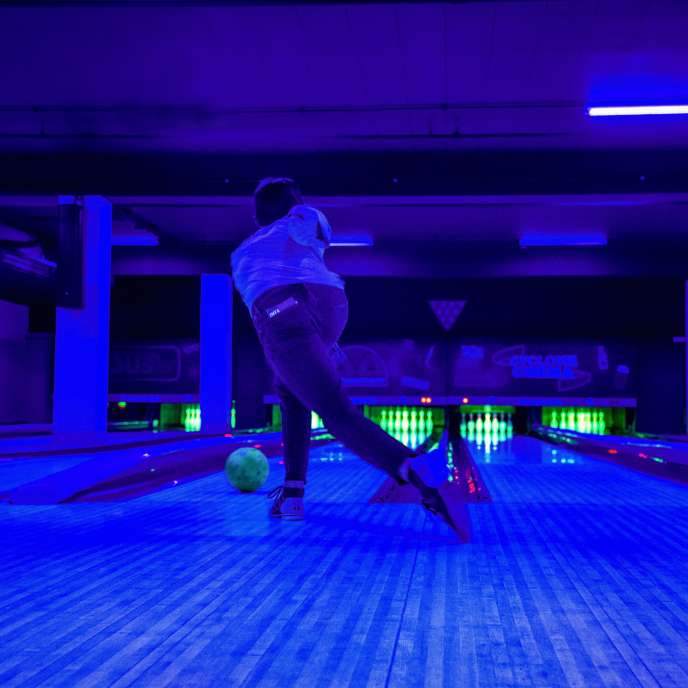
(274, 198)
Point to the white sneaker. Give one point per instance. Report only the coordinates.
(431, 467)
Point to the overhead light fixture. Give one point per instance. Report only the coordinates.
(360, 239)
(539, 239)
(635, 110)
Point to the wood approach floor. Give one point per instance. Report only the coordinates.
(577, 575)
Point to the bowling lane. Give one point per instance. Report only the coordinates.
(529, 472)
(15, 472)
(195, 586)
(52, 478)
(577, 574)
(111, 473)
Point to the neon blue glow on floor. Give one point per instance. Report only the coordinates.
(576, 576)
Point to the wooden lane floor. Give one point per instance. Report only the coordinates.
(576, 576)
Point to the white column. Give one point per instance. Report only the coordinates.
(82, 335)
(216, 353)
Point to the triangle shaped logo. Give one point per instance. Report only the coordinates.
(447, 312)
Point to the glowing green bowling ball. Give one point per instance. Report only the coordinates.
(247, 469)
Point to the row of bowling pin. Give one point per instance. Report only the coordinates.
(589, 421)
(402, 420)
(192, 419)
(489, 441)
(499, 425)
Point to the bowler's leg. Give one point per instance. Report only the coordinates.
(296, 433)
(302, 362)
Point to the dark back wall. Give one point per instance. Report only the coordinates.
(549, 308)
(155, 308)
(646, 312)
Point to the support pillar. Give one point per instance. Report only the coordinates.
(82, 334)
(216, 353)
(685, 372)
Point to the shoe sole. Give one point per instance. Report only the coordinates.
(450, 506)
(454, 511)
(283, 517)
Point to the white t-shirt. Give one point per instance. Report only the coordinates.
(289, 251)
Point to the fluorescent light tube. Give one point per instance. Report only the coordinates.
(634, 110)
(352, 240)
(532, 239)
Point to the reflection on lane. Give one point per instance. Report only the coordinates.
(523, 450)
(16, 472)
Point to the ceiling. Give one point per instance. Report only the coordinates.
(445, 220)
(229, 77)
(444, 130)
(448, 236)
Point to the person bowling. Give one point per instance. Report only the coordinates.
(299, 309)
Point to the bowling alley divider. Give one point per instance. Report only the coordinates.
(465, 484)
(462, 472)
(651, 455)
(131, 473)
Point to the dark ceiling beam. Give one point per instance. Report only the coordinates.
(431, 261)
(351, 173)
(232, 3)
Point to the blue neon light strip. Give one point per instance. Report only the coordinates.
(635, 110)
(362, 239)
(537, 239)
